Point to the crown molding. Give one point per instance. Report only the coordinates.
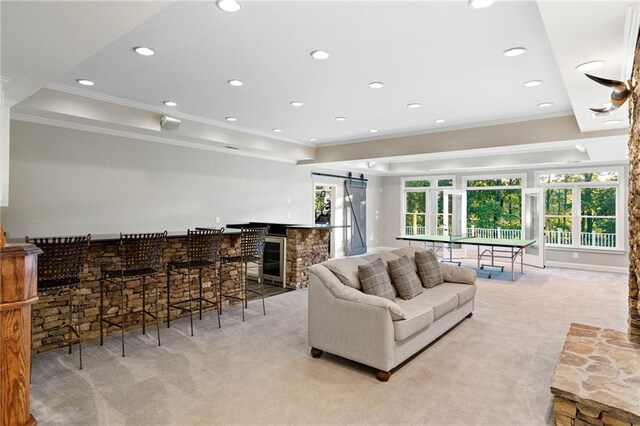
(173, 113)
(432, 130)
(149, 138)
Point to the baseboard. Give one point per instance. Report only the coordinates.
(587, 267)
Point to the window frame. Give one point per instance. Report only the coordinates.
(522, 186)
(576, 204)
(433, 181)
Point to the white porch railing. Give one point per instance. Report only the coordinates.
(589, 239)
(507, 234)
(558, 237)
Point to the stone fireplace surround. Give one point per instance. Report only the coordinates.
(597, 379)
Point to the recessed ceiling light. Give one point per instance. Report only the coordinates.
(480, 4)
(229, 5)
(580, 147)
(590, 66)
(231, 119)
(313, 139)
(439, 121)
(413, 105)
(85, 82)
(277, 130)
(341, 118)
(235, 82)
(144, 51)
(376, 85)
(514, 51)
(320, 55)
(170, 103)
(610, 122)
(532, 83)
(297, 103)
(373, 130)
(545, 104)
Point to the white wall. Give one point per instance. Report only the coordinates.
(617, 261)
(67, 182)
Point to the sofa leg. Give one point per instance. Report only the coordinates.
(383, 376)
(470, 315)
(316, 353)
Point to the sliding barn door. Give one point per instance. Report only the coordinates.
(355, 217)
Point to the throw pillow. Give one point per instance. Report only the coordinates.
(375, 279)
(404, 278)
(429, 268)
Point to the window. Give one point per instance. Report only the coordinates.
(581, 208)
(494, 206)
(423, 205)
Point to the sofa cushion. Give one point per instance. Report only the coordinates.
(404, 277)
(384, 255)
(420, 318)
(429, 268)
(374, 279)
(456, 274)
(442, 302)
(346, 269)
(465, 292)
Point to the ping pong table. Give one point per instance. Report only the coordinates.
(494, 248)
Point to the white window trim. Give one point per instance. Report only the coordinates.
(576, 207)
(434, 187)
(521, 176)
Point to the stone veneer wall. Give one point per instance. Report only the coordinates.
(305, 247)
(50, 311)
(634, 202)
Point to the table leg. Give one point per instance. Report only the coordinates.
(478, 257)
(513, 258)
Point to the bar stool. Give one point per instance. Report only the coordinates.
(251, 251)
(140, 255)
(59, 268)
(203, 253)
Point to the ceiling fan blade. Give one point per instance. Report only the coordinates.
(603, 110)
(616, 85)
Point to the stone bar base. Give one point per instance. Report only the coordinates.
(305, 247)
(597, 380)
(51, 310)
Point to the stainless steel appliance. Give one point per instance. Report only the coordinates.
(275, 249)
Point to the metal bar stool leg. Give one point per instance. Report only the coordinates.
(168, 299)
(200, 291)
(191, 304)
(101, 308)
(264, 310)
(243, 288)
(79, 294)
(157, 309)
(144, 305)
(70, 303)
(218, 281)
(122, 313)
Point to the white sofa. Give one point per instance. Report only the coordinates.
(375, 331)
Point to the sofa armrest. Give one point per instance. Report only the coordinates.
(344, 292)
(457, 274)
(351, 329)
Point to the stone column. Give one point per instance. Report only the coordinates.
(634, 201)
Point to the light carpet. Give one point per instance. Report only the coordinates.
(492, 369)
